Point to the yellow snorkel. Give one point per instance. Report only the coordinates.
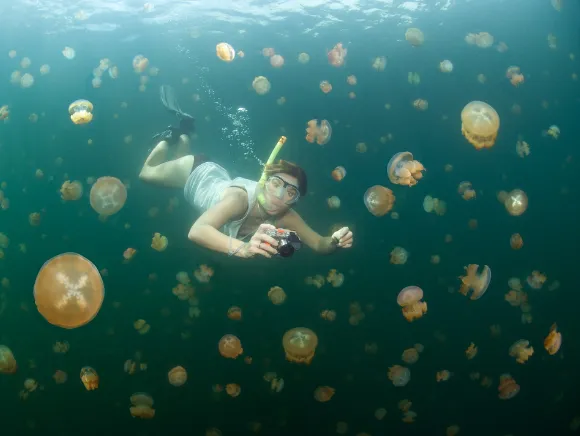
(270, 160)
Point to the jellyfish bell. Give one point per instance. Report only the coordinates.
(90, 378)
(479, 124)
(7, 362)
(516, 202)
(69, 290)
(414, 36)
(225, 52)
(300, 345)
(379, 200)
(108, 196)
(409, 295)
(338, 173)
(428, 204)
(81, 111)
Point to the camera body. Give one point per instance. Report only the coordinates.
(288, 241)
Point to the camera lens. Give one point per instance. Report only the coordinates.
(285, 249)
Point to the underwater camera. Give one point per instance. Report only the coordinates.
(288, 241)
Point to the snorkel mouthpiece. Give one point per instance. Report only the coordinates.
(262, 181)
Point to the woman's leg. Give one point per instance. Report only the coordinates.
(170, 174)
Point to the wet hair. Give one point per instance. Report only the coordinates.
(283, 166)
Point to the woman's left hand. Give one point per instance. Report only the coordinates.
(344, 237)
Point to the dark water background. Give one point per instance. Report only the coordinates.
(549, 397)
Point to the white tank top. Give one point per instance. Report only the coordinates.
(206, 185)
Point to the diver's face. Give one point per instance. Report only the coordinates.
(280, 192)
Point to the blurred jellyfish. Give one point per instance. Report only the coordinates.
(337, 55)
(507, 387)
(553, 341)
(7, 362)
(521, 351)
(338, 173)
(445, 66)
(261, 85)
(399, 375)
(414, 36)
(399, 256)
(90, 378)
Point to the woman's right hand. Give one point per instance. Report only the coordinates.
(260, 243)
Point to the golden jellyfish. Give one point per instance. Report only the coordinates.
(129, 253)
(108, 196)
(410, 300)
(521, 351)
(159, 242)
(261, 85)
(516, 202)
(410, 356)
(303, 58)
(484, 40)
(27, 80)
(69, 53)
(177, 376)
(553, 341)
(414, 36)
(471, 351)
(516, 241)
(233, 389)
(7, 362)
(69, 290)
(351, 80)
(413, 78)
(142, 406)
(90, 378)
(399, 375)
(277, 61)
(277, 295)
(508, 388)
(323, 394)
(337, 55)
(230, 346)
(225, 52)
(325, 86)
(478, 283)
(479, 124)
(338, 173)
(428, 204)
(203, 274)
(71, 191)
(403, 170)
(443, 375)
(45, 69)
(420, 104)
(379, 63)
(466, 191)
(235, 313)
(445, 66)
(335, 278)
(379, 200)
(140, 63)
(81, 111)
(4, 112)
(300, 345)
(321, 132)
(34, 219)
(268, 51)
(399, 256)
(522, 149)
(553, 131)
(361, 147)
(328, 315)
(60, 377)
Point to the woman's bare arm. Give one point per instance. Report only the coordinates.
(205, 230)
